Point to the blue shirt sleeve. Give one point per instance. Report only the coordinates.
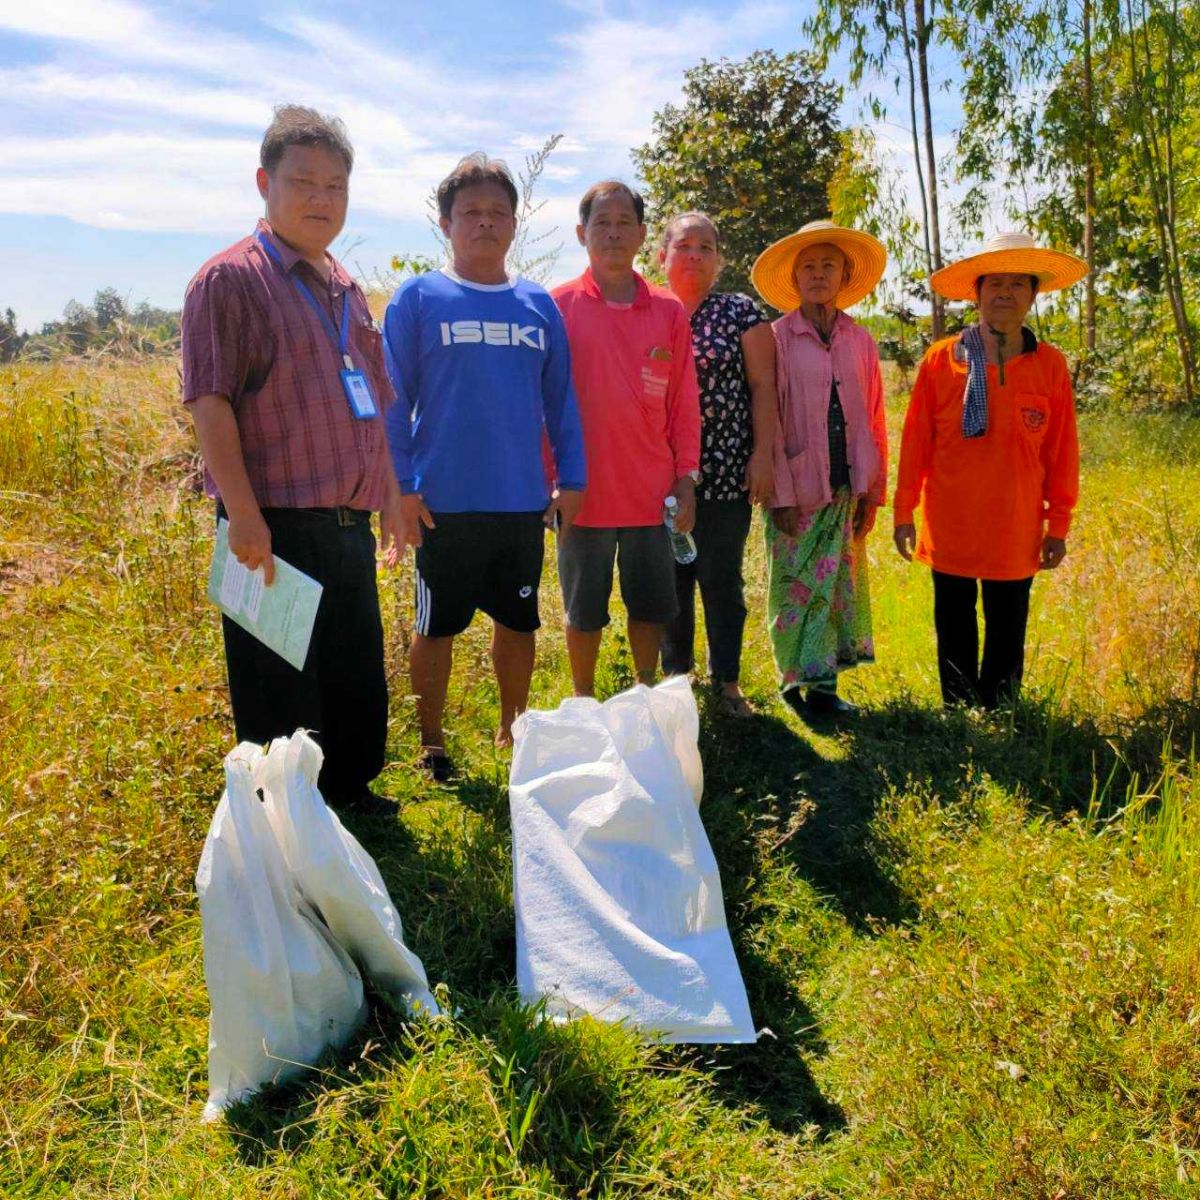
(561, 409)
(400, 350)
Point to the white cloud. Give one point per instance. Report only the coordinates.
(162, 183)
(98, 22)
(165, 113)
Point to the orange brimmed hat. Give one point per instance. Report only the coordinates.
(773, 275)
(1009, 254)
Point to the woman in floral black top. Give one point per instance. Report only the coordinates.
(735, 364)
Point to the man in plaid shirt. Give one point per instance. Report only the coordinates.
(284, 378)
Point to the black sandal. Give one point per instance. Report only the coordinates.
(437, 762)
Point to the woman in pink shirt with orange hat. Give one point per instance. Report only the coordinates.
(830, 459)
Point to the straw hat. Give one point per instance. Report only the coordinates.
(773, 277)
(1009, 254)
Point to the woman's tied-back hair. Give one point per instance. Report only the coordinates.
(475, 169)
(609, 187)
(295, 125)
(695, 215)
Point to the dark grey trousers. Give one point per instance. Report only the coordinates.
(720, 534)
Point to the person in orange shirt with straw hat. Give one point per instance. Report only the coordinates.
(830, 458)
(991, 454)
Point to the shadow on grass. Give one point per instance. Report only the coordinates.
(283, 1118)
(775, 797)
(773, 800)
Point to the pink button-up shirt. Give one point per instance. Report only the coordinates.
(806, 369)
(250, 336)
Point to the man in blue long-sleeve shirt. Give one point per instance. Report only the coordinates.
(482, 373)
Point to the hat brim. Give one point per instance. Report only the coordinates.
(774, 278)
(1055, 269)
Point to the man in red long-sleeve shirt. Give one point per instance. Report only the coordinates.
(631, 355)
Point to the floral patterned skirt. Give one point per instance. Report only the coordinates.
(818, 601)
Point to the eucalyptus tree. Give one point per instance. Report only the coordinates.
(1088, 97)
(890, 40)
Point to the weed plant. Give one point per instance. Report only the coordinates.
(971, 940)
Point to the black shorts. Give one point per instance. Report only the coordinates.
(479, 560)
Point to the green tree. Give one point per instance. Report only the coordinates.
(1085, 110)
(109, 307)
(11, 338)
(890, 40)
(754, 144)
(1013, 52)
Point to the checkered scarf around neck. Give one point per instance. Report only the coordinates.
(975, 398)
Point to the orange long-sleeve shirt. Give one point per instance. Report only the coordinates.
(987, 502)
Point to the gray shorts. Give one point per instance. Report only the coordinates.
(646, 566)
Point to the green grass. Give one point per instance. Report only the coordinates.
(975, 941)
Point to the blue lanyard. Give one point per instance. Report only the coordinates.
(343, 341)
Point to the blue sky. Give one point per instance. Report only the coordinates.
(130, 130)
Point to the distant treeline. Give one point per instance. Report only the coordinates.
(107, 325)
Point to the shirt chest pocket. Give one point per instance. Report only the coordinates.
(367, 344)
(1032, 416)
(654, 376)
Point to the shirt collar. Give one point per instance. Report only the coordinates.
(797, 323)
(1029, 342)
(592, 288)
(290, 257)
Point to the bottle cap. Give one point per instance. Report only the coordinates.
(671, 502)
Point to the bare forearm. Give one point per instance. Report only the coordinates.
(762, 400)
(221, 447)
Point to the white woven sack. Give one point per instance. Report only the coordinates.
(335, 874)
(617, 893)
(280, 987)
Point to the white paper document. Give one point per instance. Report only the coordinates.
(280, 616)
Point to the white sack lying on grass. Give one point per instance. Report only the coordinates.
(618, 898)
(287, 897)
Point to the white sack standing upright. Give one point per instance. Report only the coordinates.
(280, 987)
(618, 899)
(289, 902)
(336, 875)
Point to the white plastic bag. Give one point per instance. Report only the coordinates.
(618, 898)
(289, 902)
(280, 987)
(335, 874)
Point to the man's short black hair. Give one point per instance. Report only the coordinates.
(295, 125)
(475, 169)
(607, 187)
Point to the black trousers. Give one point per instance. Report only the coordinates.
(341, 695)
(720, 535)
(1005, 614)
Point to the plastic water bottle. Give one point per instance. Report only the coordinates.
(682, 545)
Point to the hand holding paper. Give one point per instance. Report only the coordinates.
(281, 616)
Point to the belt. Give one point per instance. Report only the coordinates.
(340, 513)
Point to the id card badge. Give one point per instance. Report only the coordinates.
(358, 392)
